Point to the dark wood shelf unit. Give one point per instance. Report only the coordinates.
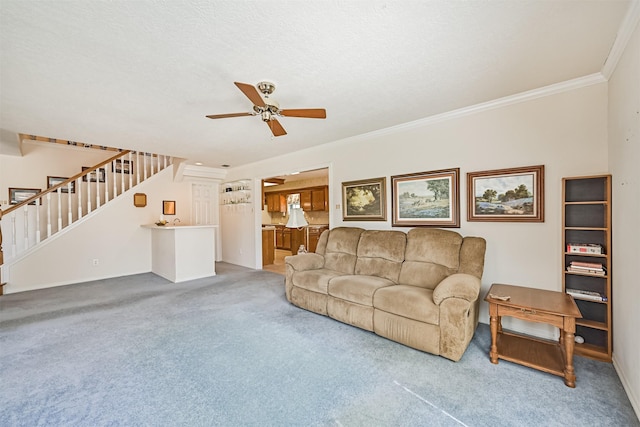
(586, 219)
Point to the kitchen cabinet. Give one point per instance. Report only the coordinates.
(268, 246)
(311, 199)
(314, 199)
(305, 200)
(283, 237)
(319, 200)
(276, 202)
(298, 237)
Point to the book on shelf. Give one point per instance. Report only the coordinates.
(586, 267)
(583, 294)
(586, 271)
(581, 264)
(585, 248)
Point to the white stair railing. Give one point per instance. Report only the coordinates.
(64, 204)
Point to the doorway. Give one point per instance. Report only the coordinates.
(281, 194)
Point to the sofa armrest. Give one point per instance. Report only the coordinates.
(306, 261)
(458, 285)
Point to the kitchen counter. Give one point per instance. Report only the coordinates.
(182, 252)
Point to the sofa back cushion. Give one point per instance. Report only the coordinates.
(472, 256)
(321, 247)
(341, 248)
(431, 256)
(380, 253)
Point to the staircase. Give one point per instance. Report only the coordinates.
(36, 218)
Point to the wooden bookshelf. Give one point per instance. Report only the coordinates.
(586, 219)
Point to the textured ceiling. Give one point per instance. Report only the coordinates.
(143, 74)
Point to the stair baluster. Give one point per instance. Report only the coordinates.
(31, 234)
(48, 216)
(69, 210)
(79, 193)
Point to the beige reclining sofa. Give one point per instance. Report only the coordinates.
(418, 288)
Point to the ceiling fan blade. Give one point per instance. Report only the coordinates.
(310, 113)
(276, 127)
(252, 93)
(224, 116)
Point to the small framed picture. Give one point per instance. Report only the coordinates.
(52, 181)
(98, 175)
(506, 195)
(122, 166)
(168, 207)
(19, 195)
(364, 200)
(427, 199)
(140, 200)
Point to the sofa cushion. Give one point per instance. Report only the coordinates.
(472, 256)
(380, 253)
(407, 301)
(314, 280)
(357, 288)
(431, 255)
(340, 252)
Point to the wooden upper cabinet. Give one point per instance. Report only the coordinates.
(311, 199)
(276, 202)
(305, 200)
(319, 200)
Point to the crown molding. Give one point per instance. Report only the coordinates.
(556, 88)
(628, 26)
(203, 172)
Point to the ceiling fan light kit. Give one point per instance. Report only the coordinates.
(268, 108)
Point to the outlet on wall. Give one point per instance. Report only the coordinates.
(96, 261)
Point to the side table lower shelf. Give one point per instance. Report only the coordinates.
(546, 356)
(557, 309)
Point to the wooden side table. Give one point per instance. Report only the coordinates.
(534, 305)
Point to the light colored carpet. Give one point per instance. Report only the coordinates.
(231, 351)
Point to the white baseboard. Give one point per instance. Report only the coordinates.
(635, 403)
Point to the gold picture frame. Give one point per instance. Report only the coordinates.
(506, 195)
(139, 200)
(364, 200)
(426, 199)
(168, 207)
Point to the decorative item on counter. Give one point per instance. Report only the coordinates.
(161, 222)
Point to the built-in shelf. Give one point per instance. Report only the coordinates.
(586, 220)
(236, 192)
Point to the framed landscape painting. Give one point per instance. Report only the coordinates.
(510, 195)
(98, 175)
(122, 166)
(428, 199)
(19, 195)
(52, 181)
(364, 200)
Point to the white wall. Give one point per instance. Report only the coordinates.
(566, 132)
(41, 159)
(111, 235)
(239, 248)
(624, 158)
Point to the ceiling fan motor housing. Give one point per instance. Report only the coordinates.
(269, 109)
(266, 88)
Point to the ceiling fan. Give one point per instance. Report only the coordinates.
(269, 109)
